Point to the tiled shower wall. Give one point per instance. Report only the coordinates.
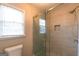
(62, 31)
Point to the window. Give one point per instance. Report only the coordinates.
(11, 22)
(42, 25)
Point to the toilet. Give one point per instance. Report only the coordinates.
(14, 50)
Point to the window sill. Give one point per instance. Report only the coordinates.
(12, 37)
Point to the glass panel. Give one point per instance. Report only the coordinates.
(11, 21)
(12, 15)
(42, 25)
(13, 29)
(39, 36)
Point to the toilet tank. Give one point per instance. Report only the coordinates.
(14, 50)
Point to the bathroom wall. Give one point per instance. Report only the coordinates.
(61, 40)
(27, 41)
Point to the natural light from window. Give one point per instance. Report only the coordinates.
(11, 21)
(42, 25)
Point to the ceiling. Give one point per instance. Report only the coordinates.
(44, 6)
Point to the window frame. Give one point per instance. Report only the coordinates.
(14, 36)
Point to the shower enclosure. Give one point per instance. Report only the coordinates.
(57, 33)
(39, 36)
(62, 31)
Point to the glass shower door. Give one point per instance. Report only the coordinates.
(39, 36)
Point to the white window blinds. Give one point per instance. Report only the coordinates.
(11, 21)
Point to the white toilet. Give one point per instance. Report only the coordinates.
(14, 51)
